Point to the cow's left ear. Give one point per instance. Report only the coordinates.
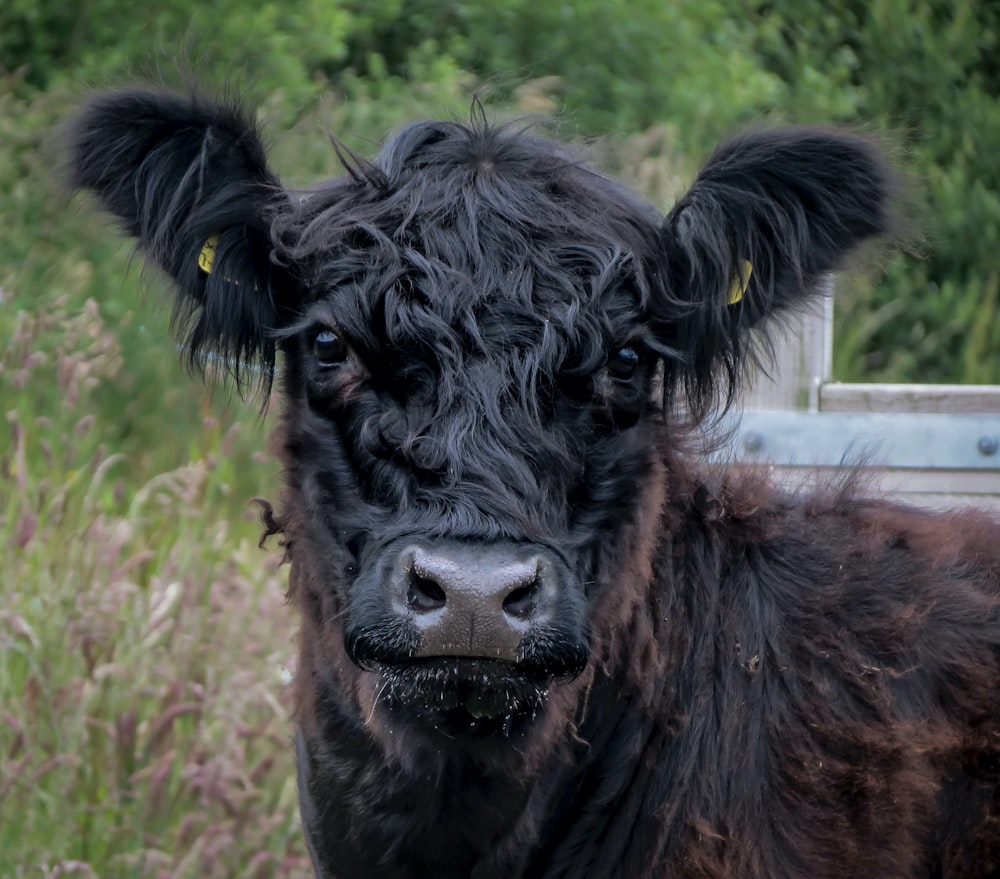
(767, 217)
(187, 177)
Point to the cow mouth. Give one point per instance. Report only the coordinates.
(462, 697)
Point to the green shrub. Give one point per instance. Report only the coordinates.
(622, 65)
(274, 48)
(925, 73)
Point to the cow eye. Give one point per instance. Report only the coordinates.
(624, 362)
(329, 348)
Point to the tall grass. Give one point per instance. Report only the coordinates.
(144, 646)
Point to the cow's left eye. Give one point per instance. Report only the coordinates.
(329, 348)
(624, 362)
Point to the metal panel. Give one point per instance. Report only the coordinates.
(830, 439)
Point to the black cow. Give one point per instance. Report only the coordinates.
(539, 638)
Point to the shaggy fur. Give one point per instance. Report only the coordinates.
(486, 346)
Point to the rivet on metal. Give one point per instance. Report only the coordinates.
(988, 445)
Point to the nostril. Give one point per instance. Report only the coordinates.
(423, 594)
(520, 602)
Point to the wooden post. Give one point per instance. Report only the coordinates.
(803, 361)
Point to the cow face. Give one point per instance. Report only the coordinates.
(469, 392)
(481, 340)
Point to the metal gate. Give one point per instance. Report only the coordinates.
(937, 445)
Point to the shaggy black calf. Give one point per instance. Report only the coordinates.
(538, 639)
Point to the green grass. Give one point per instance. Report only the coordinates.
(145, 647)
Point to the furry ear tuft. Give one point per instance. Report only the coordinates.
(177, 171)
(791, 204)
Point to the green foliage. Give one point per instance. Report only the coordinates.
(273, 47)
(924, 72)
(623, 65)
(144, 649)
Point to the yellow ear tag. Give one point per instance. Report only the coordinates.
(207, 256)
(740, 282)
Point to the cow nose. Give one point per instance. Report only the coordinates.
(473, 601)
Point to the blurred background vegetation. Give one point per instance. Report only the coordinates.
(144, 649)
(659, 82)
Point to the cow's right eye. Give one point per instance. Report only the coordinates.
(624, 363)
(329, 348)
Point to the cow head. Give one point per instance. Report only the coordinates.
(482, 342)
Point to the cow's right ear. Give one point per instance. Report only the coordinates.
(188, 178)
